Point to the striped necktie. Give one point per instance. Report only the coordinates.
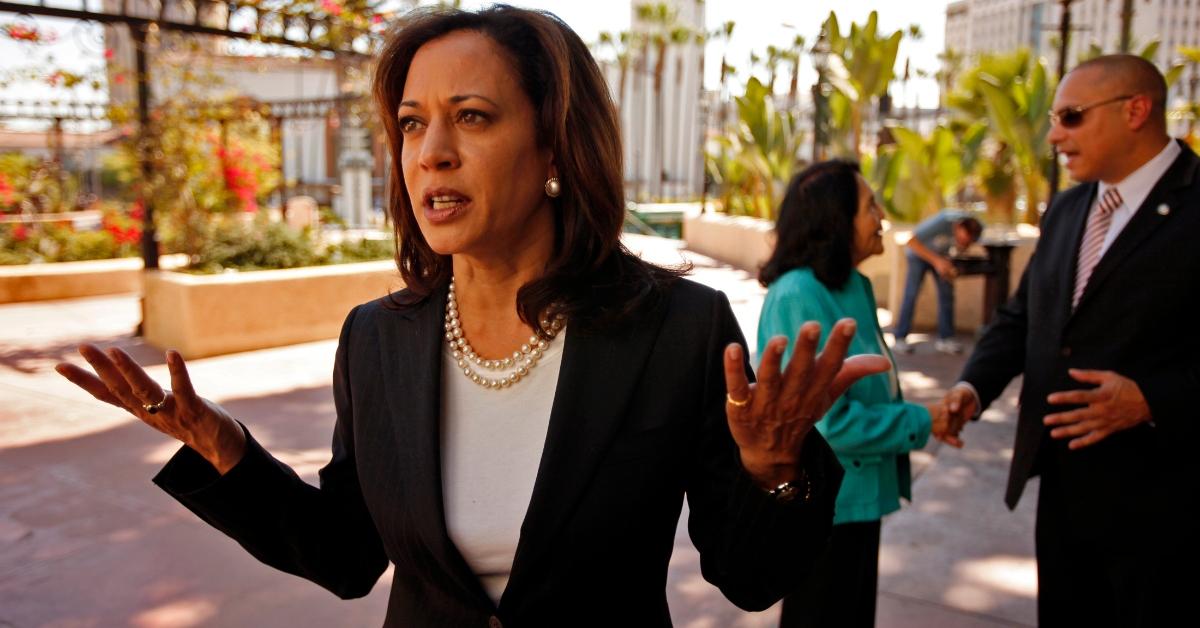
(1093, 240)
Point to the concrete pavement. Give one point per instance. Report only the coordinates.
(87, 541)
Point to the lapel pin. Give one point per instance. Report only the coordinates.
(1163, 210)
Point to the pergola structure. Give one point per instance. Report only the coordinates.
(252, 20)
(276, 111)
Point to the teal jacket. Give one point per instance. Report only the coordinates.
(870, 427)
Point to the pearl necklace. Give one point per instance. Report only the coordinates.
(521, 361)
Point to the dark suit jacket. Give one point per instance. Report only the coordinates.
(638, 421)
(1138, 316)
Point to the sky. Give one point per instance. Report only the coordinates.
(758, 23)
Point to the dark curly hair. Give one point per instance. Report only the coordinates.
(591, 278)
(815, 228)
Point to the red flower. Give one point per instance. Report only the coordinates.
(137, 211)
(20, 233)
(331, 7)
(108, 53)
(6, 191)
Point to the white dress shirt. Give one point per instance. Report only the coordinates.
(1134, 189)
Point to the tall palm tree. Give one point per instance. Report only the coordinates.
(799, 45)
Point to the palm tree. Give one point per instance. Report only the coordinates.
(1013, 94)
(661, 19)
(862, 65)
(793, 57)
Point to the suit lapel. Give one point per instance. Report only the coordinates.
(596, 383)
(1144, 222)
(412, 353)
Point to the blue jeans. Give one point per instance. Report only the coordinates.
(917, 268)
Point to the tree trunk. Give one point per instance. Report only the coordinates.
(659, 138)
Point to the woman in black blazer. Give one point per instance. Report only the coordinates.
(516, 430)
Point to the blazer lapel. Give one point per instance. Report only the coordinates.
(598, 376)
(412, 353)
(1144, 221)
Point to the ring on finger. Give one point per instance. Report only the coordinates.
(735, 402)
(153, 408)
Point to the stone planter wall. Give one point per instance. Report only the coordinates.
(746, 243)
(204, 315)
(72, 280)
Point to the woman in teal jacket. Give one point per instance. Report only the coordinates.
(828, 224)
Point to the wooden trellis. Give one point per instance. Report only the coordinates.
(266, 21)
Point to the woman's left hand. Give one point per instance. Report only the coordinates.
(770, 419)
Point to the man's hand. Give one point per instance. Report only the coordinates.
(961, 404)
(945, 268)
(1115, 404)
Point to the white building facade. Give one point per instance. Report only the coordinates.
(661, 130)
(982, 26)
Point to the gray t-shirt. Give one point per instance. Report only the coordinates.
(937, 231)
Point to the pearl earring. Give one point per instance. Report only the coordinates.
(553, 187)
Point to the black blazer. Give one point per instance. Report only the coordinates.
(638, 421)
(1138, 317)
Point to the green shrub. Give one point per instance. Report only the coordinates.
(233, 243)
(364, 250)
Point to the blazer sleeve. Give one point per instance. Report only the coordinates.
(322, 534)
(875, 429)
(999, 355)
(754, 549)
(853, 425)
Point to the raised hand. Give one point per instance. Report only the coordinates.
(770, 419)
(179, 413)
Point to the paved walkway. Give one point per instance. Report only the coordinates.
(87, 541)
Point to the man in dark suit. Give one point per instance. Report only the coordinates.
(1103, 328)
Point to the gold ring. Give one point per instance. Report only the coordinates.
(734, 402)
(153, 408)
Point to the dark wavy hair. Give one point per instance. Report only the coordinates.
(591, 278)
(815, 227)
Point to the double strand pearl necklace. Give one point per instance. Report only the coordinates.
(519, 363)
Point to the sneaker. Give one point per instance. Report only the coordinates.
(949, 345)
(902, 346)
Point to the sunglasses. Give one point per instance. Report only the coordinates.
(1071, 117)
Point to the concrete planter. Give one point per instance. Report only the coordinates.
(746, 243)
(72, 280)
(204, 315)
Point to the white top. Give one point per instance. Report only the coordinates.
(1134, 189)
(492, 442)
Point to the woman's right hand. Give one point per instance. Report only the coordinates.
(945, 426)
(197, 422)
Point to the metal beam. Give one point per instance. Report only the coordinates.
(138, 21)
